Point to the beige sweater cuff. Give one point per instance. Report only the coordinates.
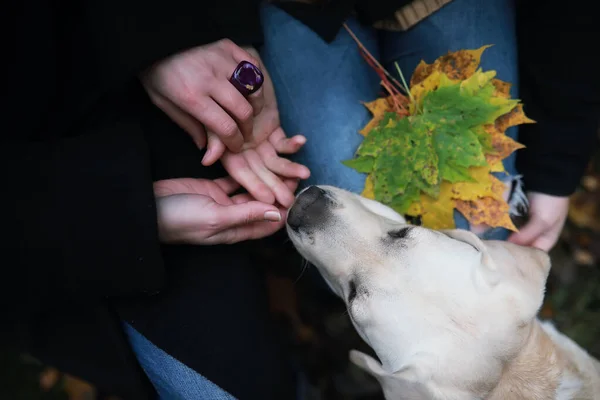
(409, 15)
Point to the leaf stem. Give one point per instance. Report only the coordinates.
(370, 56)
(404, 83)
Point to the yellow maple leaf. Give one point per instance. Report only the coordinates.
(503, 147)
(488, 211)
(514, 117)
(490, 208)
(457, 65)
(435, 213)
(480, 200)
(485, 190)
(432, 82)
(502, 88)
(378, 108)
(368, 191)
(483, 185)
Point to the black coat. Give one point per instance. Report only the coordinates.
(81, 146)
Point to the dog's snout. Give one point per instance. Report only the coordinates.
(308, 209)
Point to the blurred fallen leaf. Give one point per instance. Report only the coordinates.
(78, 389)
(583, 257)
(49, 378)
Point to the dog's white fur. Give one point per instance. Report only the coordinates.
(450, 316)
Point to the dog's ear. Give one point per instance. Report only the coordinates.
(410, 373)
(487, 272)
(367, 363)
(535, 259)
(383, 210)
(405, 381)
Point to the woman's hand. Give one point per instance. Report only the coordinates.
(193, 89)
(203, 212)
(547, 216)
(266, 119)
(263, 173)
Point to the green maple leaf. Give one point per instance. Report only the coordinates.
(407, 156)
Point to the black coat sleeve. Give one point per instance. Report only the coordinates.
(124, 37)
(80, 214)
(560, 89)
(74, 159)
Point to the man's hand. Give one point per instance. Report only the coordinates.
(547, 215)
(193, 89)
(201, 211)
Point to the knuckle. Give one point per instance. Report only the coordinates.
(156, 100)
(228, 129)
(188, 98)
(249, 218)
(254, 60)
(226, 44)
(245, 112)
(213, 222)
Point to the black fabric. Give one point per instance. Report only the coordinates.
(560, 92)
(558, 86)
(81, 146)
(215, 306)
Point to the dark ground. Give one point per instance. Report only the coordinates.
(321, 334)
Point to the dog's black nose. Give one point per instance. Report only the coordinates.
(309, 208)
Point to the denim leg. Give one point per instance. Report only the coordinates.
(319, 88)
(172, 379)
(462, 24)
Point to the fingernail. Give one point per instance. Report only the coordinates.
(205, 156)
(301, 139)
(274, 216)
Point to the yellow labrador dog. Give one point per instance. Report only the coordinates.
(449, 316)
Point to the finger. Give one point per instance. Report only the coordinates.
(181, 118)
(241, 171)
(533, 229)
(284, 145)
(545, 243)
(280, 165)
(256, 99)
(292, 184)
(282, 194)
(255, 230)
(232, 101)
(242, 198)
(219, 196)
(216, 120)
(286, 168)
(209, 188)
(228, 185)
(214, 150)
(246, 213)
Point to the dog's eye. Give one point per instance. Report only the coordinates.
(351, 290)
(400, 233)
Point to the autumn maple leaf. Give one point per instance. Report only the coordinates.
(440, 155)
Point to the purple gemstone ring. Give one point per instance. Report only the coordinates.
(247, 78)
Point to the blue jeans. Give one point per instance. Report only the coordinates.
(320, 86)
(171, 379)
